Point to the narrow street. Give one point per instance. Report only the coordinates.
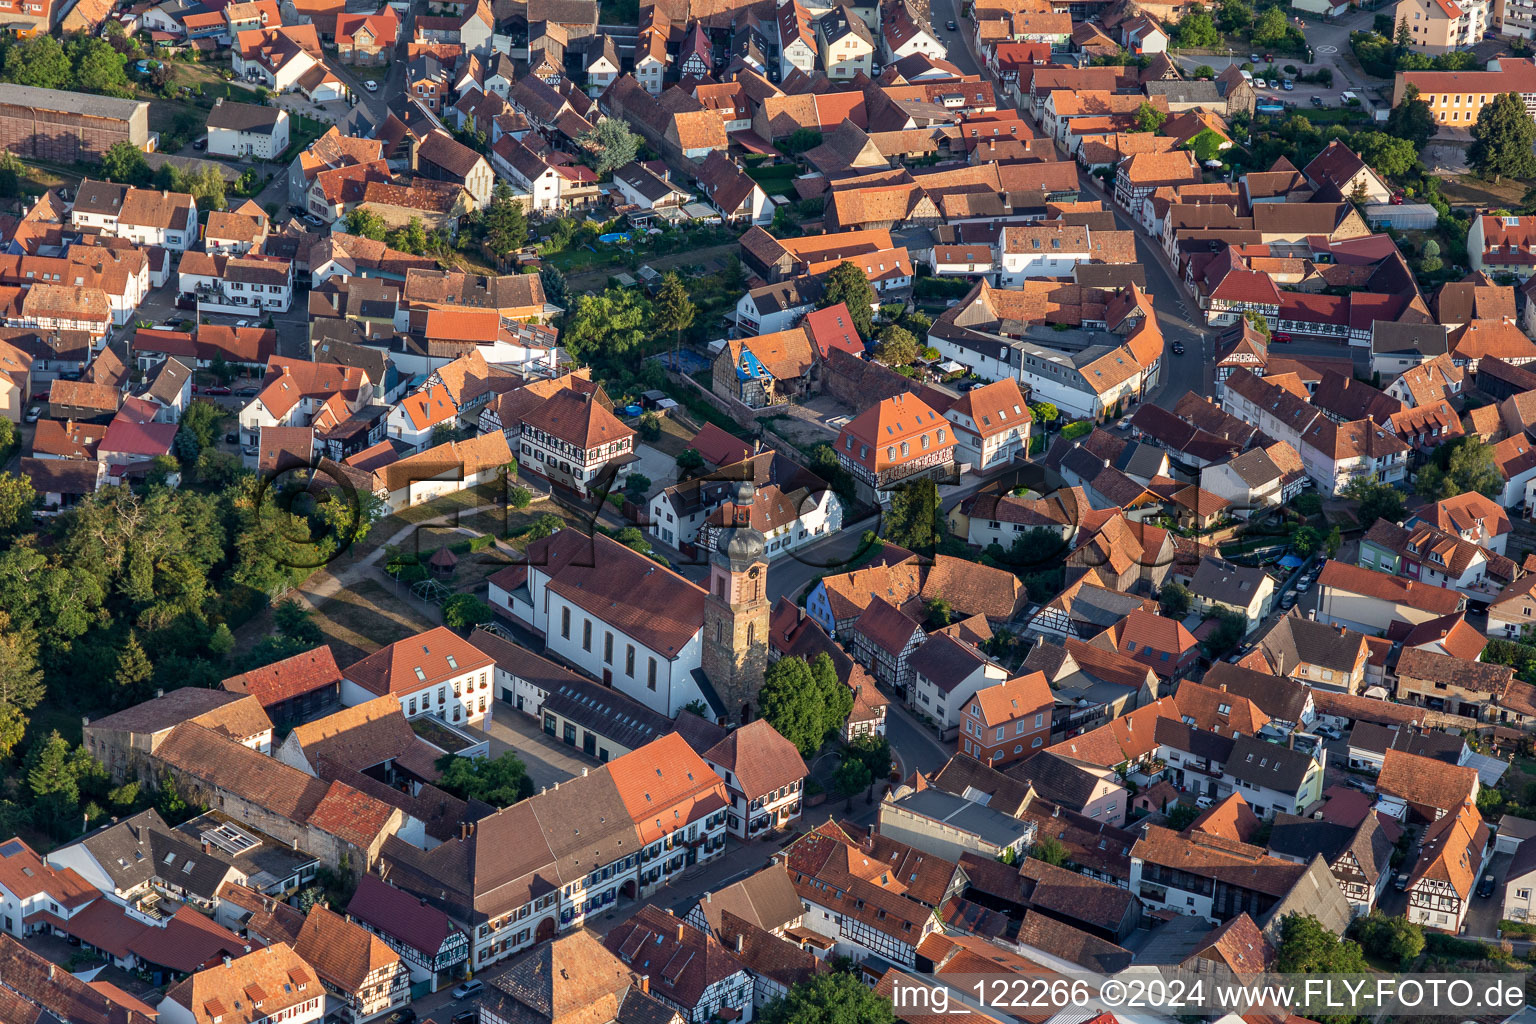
(1177, 314)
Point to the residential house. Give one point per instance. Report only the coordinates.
(413, 670)
(222, 994)
(693, 971)
(432, 948)
(1319, 654)
(769, 369)
(992, 424)
(1369, 602)
(246, 130)
(1007, 721)
(899, 440)
(1221, 585)
(356, 968)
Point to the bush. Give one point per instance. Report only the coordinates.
(1076, 429)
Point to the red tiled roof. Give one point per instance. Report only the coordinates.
(289, 678)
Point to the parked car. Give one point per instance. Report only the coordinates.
(1397, 198)
(247, 392)
(467, 1017)
(1288, 85)
(467, 989)
(251, 450)
(1202, 802)
(1253, 58)
(1259, 83)
(371, 86)
(1400, 883)
(1178, 348)
(1487, 885)
(1328, 732)
(1280, 336)
(405, 1016)
(33, 413)
(242, 323)
(1317, 101)
(952, 26)
(1288, 601)
(217, 389)
(40, 396)
(1269, 58)
(200, 144)
(298, 211)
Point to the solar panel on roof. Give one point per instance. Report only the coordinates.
(10, 849)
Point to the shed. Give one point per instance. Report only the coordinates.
(1407, 217)
(1512, 831)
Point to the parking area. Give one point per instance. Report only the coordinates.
(549, 762)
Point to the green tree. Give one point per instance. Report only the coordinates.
(133, 673)
(547, 525)
(412, 238)
(296, 622)
(1333, 542)
(1389, 155)
(913, 519)
(800, 140)
(210, 188)
(99, 68)
(789, 701)
(1196, 30)
(1457, 467)
(555, 288)
(465, 611)
(125, 164)
(847, 283)
(1174, 599)
(1377, 500)
(610, 327)
(1306, 540)
(363, 221)
(1395, 940)
(506, 226)
(1230, 629)
(11, 170)
(21, 680)
(609, 145)
(1235, 15)
(1257, 321)
(940, 613)
(636, 486)
(221, 641)
(38, 61)
(1050, 850)
(650, 426)
(1411, 119)
(500, 781)
(673, 309)
(1149, 118)
(897, 346)
(875, 752)
(690, 462)
(173, 807)
(56, 774)
(851, 776)
(17, 500)
(1271, 28)
(834, 998)
(1502, 140)
(1306, 947)
(519, 497)
(1043, 412)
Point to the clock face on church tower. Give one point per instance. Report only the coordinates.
(752, 573)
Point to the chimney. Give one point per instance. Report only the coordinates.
(51, 969)
(584, 773)
(737, 943)
(709, 897)
(207, 846)
(227, 960)
(679, 931)
(159, 692)
(1223, 687)
(645, 982)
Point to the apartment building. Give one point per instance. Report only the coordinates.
(1456, 97)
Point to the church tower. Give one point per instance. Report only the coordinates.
(736, 611)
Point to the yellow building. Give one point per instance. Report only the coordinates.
(1456, 97)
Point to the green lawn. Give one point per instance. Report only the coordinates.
(776, 179)
(302, 131)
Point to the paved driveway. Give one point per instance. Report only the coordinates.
(548, 761)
